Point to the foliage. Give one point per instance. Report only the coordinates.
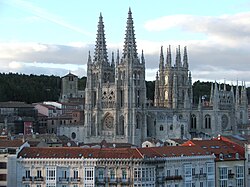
(34, 88)
(29, 88)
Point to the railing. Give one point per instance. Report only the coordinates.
(167, 178)
(27, 179)
(230, 175)
(112, 180)
(63, 179)
(38, 178)
(176, 177)
(124, 180)
(75, 179)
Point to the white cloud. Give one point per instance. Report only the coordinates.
(226, 28)
(15, 65)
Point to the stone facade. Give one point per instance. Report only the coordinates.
(116, 108)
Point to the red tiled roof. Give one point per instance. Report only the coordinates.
(10, 143)
(217, 147)
(172, 151)
(125, 153)
(77, 152)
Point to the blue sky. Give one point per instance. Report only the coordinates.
(54, 37)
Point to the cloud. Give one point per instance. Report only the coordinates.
(224, 27)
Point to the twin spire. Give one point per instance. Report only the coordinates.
(129, 48)
(101, 54)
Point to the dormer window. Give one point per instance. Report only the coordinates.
(221, 156)
(237, 156)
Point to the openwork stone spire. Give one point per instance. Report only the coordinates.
(100, 55)
(130, 47)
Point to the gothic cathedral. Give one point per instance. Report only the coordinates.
(116, 108)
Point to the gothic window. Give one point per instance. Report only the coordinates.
(105, 78)
(161, 128)
(193, 121)
(182, 131)
(138, 98)
(94, 98)
(73, 135)
(121, 98)
(207, 121)
(224, 121)
(171, 127)
(138, 121)
(108, 122)
(120, 130)
(241, 115)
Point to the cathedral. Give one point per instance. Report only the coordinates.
(117, 110)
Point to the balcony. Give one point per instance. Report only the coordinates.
(38, 179)
(124, 180)
(112, 180)
(75, 179)
(176, 177)
(230, 175)
(100, 180)
(160, 179)
(64, 180)
(27, 179)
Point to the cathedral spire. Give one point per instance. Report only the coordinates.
(113, 60)
(89, 59)
(117, 57)
(130, 47)
(168, 60)
(178, 57)
(161, 65)
(142, 58)
(185, 58)
(100, 54)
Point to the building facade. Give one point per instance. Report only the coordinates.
(89, 167)
(117, 110)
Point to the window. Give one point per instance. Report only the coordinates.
(3, 165)
(101, 174)
(239, 176)
(193, 121)
(89, 174)
(51, 174)
(168, 172)
(201, 184)
(188, 171)
(171, 127)
(64, 174)
(161, 128)
(223, 176)
(75, 173)
(124, 174)
(3, 177)
(207, 122)
(27, 173)
(176, 172)
(112, 173)
(39, 173)
(193, 171)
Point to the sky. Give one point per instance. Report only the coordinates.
(54, 37)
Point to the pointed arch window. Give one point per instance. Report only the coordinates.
(193, 121)
(207, 121)
(161, 128)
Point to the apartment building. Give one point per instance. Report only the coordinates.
(88, 167)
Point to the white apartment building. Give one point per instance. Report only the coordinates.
(139, 167)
